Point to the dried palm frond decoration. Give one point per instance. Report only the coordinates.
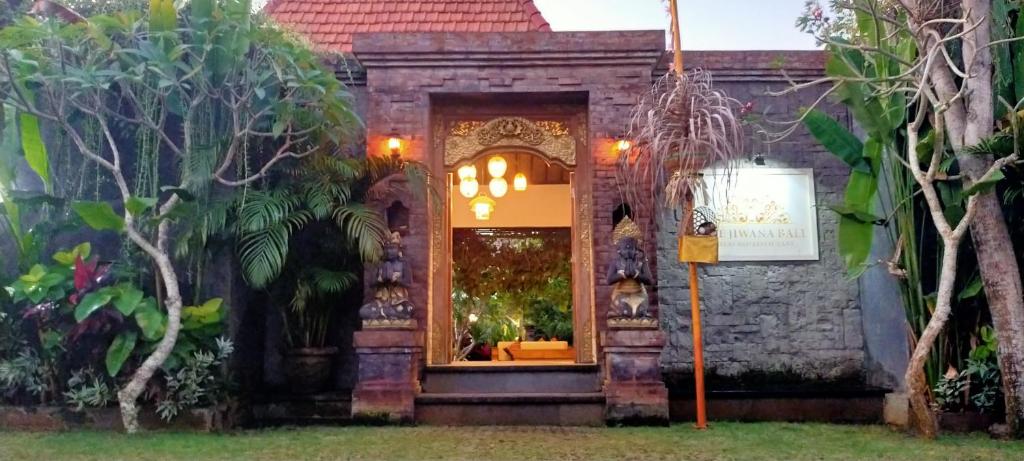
(682, 126)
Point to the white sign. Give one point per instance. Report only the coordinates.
(765, 214)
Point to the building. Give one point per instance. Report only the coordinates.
(453, 83)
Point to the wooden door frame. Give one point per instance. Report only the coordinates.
(577, 161)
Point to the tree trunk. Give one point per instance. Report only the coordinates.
(129, 394)
(1000, 276)
(924, 417)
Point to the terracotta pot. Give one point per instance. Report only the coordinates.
(308, 370)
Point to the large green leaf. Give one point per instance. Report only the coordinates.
(99, 215)
(198, 316)
(1017, 51)
(860, 191)
(855, 239)
(150, 320)
(127, 299)
(9, 146)
(139, 205)
(855, 214)
(837, 139)
(119, 351)
(67, 258)
(972, 289)
(986, 185)
(162, 16)
(1002, 65)
(35, 149)
(90, 303)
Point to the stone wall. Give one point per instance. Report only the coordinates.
(769, 320)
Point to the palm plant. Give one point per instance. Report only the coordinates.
(304, 237)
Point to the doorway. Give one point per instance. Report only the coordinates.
(548, 151)
(511, 267)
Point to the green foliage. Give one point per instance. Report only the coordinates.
(86, 388)
(949, 391)
(25, 372)
(99, 215)
(510, 285)
(199, 381)
(320, 199)
(75, 308)
(979, 385)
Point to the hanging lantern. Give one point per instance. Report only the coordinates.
(498, 187)
(468, 187)
(466, 172)
(482, 207)
(497, 166)
(519, 182)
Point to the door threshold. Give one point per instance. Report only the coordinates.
(538, 365)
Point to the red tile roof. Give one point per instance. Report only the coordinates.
(330, 23)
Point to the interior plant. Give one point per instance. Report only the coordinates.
(205, 84)
(505, 283)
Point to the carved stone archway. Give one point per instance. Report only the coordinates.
(556, 141)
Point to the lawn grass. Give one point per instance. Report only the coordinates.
(724, 441)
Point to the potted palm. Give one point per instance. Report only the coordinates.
(304, 240)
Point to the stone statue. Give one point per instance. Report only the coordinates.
(628, 274)
(391, 305)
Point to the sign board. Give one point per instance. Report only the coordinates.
(765, 214)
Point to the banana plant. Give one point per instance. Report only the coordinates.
(879, 192)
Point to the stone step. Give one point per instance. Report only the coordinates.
(512, 379)
(511, 409)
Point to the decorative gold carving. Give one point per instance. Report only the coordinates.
(437, 310)
(553, 128)
(390, 324)
(586, 219)
(502, 128)
(551, 138)
(465, 128)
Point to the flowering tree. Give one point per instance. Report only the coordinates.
(219, 98)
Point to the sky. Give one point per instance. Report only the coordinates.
(706, 24)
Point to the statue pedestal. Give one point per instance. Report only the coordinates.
(389, 374)
(635, 391)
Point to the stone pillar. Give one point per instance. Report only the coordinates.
(635, 391)
(389, 374)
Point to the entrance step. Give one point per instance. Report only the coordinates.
(492, 395)
(511, 379)
(511, 409)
